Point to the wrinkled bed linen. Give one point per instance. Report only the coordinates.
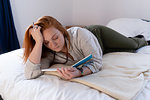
(13, 85)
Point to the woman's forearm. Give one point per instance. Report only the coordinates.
(35, 55)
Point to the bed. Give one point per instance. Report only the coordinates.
(14, 86)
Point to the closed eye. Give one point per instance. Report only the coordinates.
(56, 37)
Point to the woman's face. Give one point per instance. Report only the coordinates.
(53, 39)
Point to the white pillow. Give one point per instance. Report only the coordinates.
(131, 27)
(144, 50)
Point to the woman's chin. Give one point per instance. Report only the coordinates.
(57, 50)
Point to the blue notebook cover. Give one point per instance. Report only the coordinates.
(82, 61)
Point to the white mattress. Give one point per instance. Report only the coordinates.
(13, 85)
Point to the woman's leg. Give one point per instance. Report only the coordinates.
(112, 41)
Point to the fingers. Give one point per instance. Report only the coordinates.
(36, 34)
(65, 73)
(36, 27)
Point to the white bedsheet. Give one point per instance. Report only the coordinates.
(13, 85)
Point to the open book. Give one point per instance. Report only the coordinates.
(53, 69)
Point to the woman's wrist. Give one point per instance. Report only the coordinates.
(38, 43)
(84, 71)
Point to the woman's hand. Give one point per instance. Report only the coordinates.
(36, 34)
(69, 73)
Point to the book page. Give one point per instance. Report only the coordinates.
(49, 69)
(55, 73)
(54, 67)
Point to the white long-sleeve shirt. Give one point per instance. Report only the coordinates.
(83, 43)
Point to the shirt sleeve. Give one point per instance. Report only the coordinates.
(89, 44)
(34, 70)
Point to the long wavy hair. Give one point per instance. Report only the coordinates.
(45, 22)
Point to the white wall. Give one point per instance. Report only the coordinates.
(102, 11)
(27, 11)
(76, 12)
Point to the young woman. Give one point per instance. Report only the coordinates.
(48, 43)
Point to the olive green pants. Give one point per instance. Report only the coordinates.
(112, 41)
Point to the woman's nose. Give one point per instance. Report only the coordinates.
(53, 44)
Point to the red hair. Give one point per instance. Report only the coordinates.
(45, 22)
